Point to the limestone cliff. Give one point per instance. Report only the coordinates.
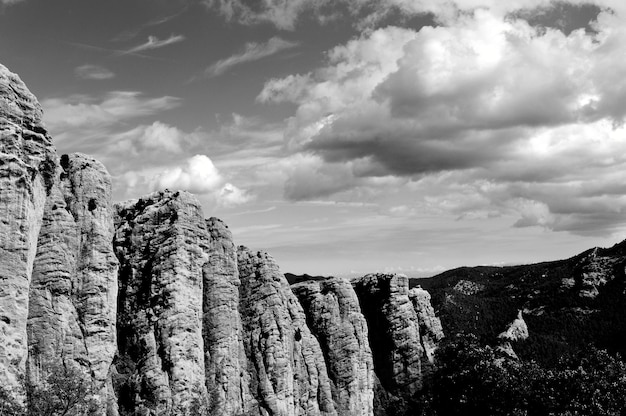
(226, 372)
(161, 313)
(396, 347)
(27, 168)
(73, 294)
(335, 318)
(162, 245)
(287, 368)
(431, 331)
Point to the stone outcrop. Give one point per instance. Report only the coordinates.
(431, 331)
(287, 368)
(334, 316)
(162, 244)
(226, 372)
(73, 294)
(396, 345)
(515, 332)
(155, 307)
(27, 168)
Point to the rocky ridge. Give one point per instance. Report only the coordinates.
(159, 312)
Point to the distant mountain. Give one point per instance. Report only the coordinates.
(297, 278)
(567, 304)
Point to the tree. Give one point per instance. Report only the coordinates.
(9, 406)
(64, 392)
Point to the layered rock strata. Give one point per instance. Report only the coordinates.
(334, 316)
(394, 331)
(162, 245)
(27, 168)
(73, 294)
(287, 367)
(226, 372)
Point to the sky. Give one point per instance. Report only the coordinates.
(348, 136)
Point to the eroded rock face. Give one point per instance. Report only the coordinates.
(27, 168)
(516, 331)
(287, 368)
(394, 331)
(162, 244)
(73, 295)
(227, 377)
(334, 316)
(431, 331)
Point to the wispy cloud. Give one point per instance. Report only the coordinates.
(155, 43)
(131, 34)
(109, 50)
(93, 72)
(252, 52)
(9, 2)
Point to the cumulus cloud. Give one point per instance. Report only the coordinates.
(154, 43)
(93, 72)
(155, 137)
(285, 14)
(252, 52)
(199, 175)
(519, 117)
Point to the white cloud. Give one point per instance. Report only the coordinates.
(252, 52)
(85, 111)
(154, 43)
(519, 120)
(200, 176)
(158, 137)
(282, 13)
(93, 72)
(285, 14)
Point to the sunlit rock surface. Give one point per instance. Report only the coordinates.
(162, 244)
(27, 170)
(226, 372)
(431, 331)
(287, 367)
(73, 294)
(394, 330)
(335, 318)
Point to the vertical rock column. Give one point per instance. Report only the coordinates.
(287, 368)
(73, 297)
(27, 168)
(162, 244)
(394, 331)
(335, 318)
(227, 377)
(431, 331)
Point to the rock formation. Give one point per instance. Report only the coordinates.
(156, 309)
(431, 331)
(287, 367)
(515, 332)
(162, 245)
(335, 318)
(396, 348)
(27, 168)
(73, 294)
(226, 372)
